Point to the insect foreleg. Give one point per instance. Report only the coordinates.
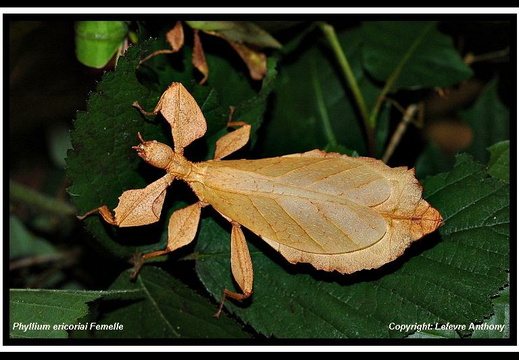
(105, 213)
(241, 267)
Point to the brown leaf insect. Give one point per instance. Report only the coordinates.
(330, 210)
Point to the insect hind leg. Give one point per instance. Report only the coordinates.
(241, 267)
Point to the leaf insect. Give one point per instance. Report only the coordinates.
(330, 210)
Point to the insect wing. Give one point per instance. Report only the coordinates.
(330, 210)
(307, 203)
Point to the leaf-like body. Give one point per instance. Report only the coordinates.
(333, 211)
(452, 279)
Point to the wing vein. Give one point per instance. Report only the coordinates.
(264, 218)
(301, 167)
(299, 225)
(329, 175)
(330, 221)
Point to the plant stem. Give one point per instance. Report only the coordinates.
(29, 196)
(491, 56)
(321, 106)
(399, 132)
(60, 258)
(331, 36)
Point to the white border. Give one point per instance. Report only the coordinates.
(260, 11)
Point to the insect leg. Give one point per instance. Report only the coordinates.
(232, 141)
(241, 267)
(182, 228)
(155, 111)
(105, 213)
(137, 206)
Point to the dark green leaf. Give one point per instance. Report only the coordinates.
(498, 325)
(47, 313)
(103, 164)
(476, 235)
(432, 161)
(478, 216)
(58, 144)
(312, 106)
(489, 120)
(436, 281)
(340, 149)
(412, 54)
(166, 309)
(434, 334)
(24, 243)
(499, 164)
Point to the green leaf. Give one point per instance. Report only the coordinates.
(58, 142)
(233, 88)
(432, 161)
(98, 41)
(434, 334)
(340, 149)
(24, 243)
(498, 325)
(166, 309)
(239, 31)
(442, 281)
(103, 164)
(47, 313)
(411, 54)
(489, 120)
(312, 106)
(499, 164)
(475, 242)
(476, 235)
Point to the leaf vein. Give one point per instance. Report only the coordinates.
(157, 308)
(449, 184)
(474, 203)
